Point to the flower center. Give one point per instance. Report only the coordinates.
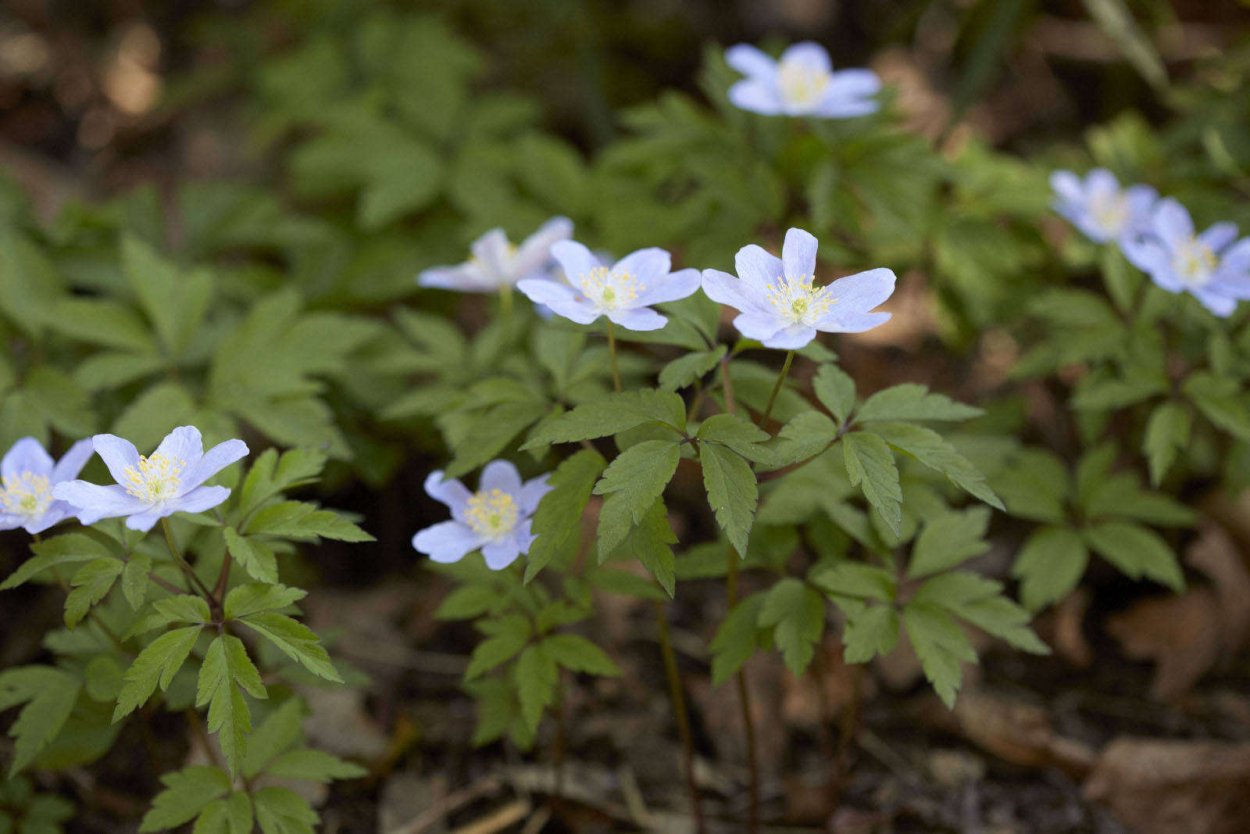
(153, 479)
(797, 301)
(26, 494)
(610, 291)
(1110, 212)
(1195, 262)
(801, 85)
(491, 513)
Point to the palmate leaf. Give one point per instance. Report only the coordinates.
(296, 640)
(273, 473)
(870, 466)
(578, 654)
(913, 402)
(301, 520)
(1167, 435)
(941, 646)
(836, 391)
(872, 631)
(227, 672)
(253, 555)
(949, 540)
(186, 793)
(651, 543)
(737, 639)
(1137, 551)
(71, 548)
(49, 695)
(230, 815)
(283, 811)
(689, 368)
(931, 449)
(536, 676)
(156, 665)
(633, 482)
(610, 415)
(1051, 562)
(90, 584)
(732, 491)
(796, 613)
(556, 521)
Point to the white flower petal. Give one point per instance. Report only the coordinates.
(26, 455)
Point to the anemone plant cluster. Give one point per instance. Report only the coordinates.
(694, 411)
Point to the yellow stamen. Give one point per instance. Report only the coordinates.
(491, 513)
(1195, 262)
(154, 478)
(26, 494)
(801, 85)
(798, 301)
(610, 290)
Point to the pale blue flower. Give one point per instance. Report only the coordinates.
(1097, 205)
(1210, 266)
(780, 304)
(801, 83)
(495, 519)
(29, 476)
(168, 481)
(621, 292)
(497, 264)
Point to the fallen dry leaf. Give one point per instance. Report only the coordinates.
(1174, 787)
(1187, 635)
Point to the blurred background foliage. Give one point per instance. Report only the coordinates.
(296, 163)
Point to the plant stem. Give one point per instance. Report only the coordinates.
(505, 301)
(679, 715)
(744, 701)
(616, 373)
(190, 573)
(781, 379)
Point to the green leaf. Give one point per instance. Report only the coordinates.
(931, 449)
(253, 555)
(186, 793)
(1167, 435)
(1051, 562)
(280, 731)
(156, 665)
(913, 402)
(63, 550)
(734, 431)
(135, 579)
(313, 766)
(471, 601)
(732, 491)
(49, 696)
(271, 474)
(301, 520)
(836, 391)
(227, 672)
(102, 322)
(184, 608)
(856, 581)
(536, 676)
(495, 651)
(806, 435)
(870, 466)
(1035, 485)
(232, 815)
(282, 811)
(578, 654)
(490, 432)
(871, 632)
(797, 615)
(556, 523)
(737, 639)
(610, 415)
(633, 482)
(174, 300)
(949, 540)
(1007, 621)
(1136, 551)
(689, 368)
(1221, 401)
(651, 543)
(253, 598)
(296, 640)
(941, 645)
(90, 585)
(624, 583)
